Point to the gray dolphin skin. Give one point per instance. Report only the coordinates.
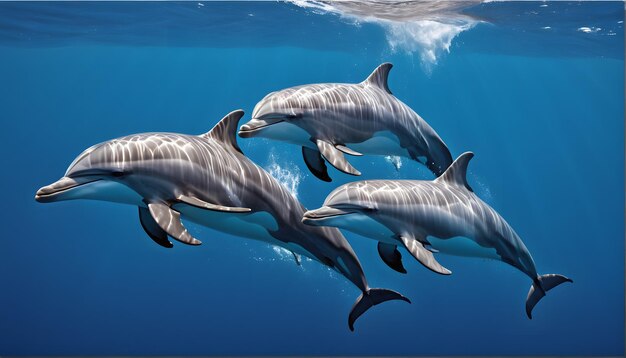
(333, 119)
(206, 179)
(427, 217)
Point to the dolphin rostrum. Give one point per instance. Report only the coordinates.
(332, 119)
(207, 180)
(427, 217)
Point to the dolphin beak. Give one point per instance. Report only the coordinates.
(52, 192)
(255, 125)
(318, 216)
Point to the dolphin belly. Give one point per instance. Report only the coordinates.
(462, 246)
(105, 190)
(253, 225)
(381, 143)
(287, 132)
(364, 226)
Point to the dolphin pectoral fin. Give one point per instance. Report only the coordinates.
(347, 150)
(169, 221)
(297, 258)
(153, 229)
(542, 284)
(204, 205)
(335, 157)
(315, 163)
(423, 255)
(391, 256)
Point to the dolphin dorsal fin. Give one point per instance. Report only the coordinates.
(456, 174)
(379, 77)
(225, 130)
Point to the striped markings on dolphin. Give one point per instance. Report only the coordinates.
(331, 120)
(207, 179)
(427, 217)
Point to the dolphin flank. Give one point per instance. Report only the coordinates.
(334, 119)
(208, 180)
(427, 217)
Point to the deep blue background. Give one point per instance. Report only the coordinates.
(543, 113)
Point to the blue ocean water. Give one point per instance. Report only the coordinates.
(534, 89)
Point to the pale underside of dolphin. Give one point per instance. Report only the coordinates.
(427, 217)
(334, 119)
(206, 179)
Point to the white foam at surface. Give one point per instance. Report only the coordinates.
(422, 27)
(428, 38)
(589, 30)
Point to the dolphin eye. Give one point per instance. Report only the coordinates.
(117, 174)
(293, 116)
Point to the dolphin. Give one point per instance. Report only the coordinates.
(427, 217)
(333, 119)
(206, 179)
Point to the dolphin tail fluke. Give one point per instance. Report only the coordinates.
(542, 284)
(371, 298)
